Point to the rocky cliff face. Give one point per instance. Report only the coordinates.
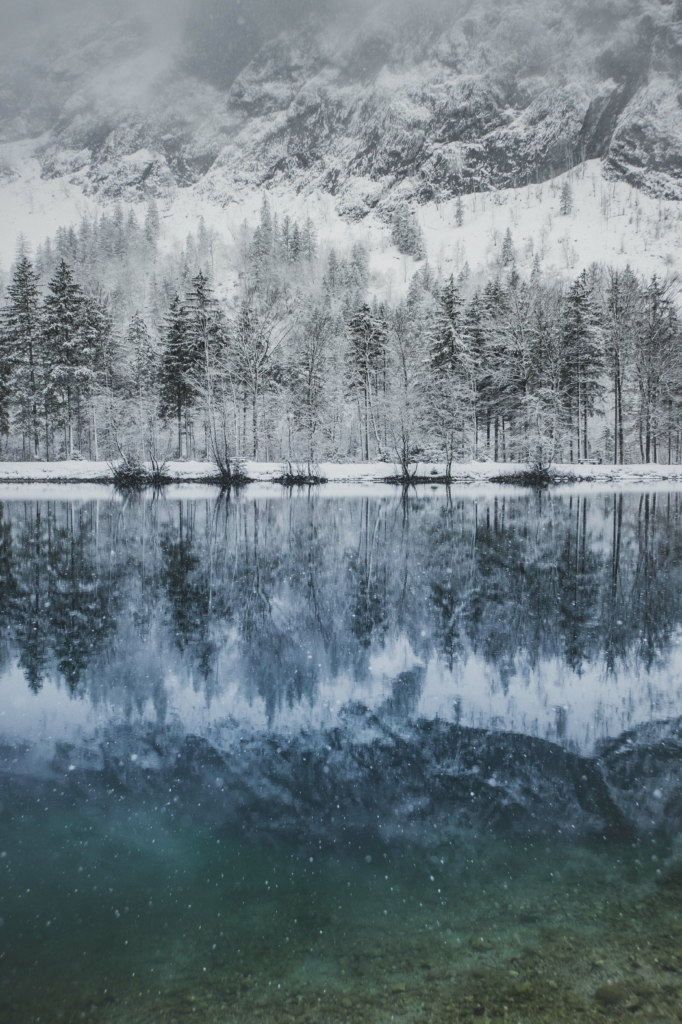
(417, 104)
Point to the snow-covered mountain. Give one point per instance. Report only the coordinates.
(423, 100)
(342, 113)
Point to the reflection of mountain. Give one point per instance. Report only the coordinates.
(421, 782)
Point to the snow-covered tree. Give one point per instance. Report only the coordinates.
(21, 341)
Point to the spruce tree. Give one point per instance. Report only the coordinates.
(68, 354)
(263, 245)
(584, 359)
(5, 384)
(623, 301)
(206, 334)
(332, 271)
(142, 362)
(367, 340)
(21, 333)
(307, 372)
(177, 369)
(494, 311)
(103, 370)
(657, 364)
(407, 234)
(507, 256)
(450, 398)
(566, 201)
(295, 248)
(474, 328)
(359, 267)
(309, 241)
(448, 346)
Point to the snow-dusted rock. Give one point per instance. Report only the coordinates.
(429, 102)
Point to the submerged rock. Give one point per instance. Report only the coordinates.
(611, 994)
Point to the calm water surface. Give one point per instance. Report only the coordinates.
(326, 758)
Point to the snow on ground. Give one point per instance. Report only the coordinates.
(82, 471)
(32, 205)
(610, 223)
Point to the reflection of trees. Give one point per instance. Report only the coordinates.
(187, 587)
(7, 584)
(368, 571)
(60, 600)
(277, 594)
(82, 599)
(32, 598)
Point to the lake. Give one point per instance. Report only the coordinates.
(340, 755)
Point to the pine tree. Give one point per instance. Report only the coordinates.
(5, 384)
(474, 330)
(566, 201)
(407, 234)
(584, 359)
(176, 370)
(152, 223)
(449, 392)
(309, 241)
(494, 313)
(262, 247)
(359, 267)
(623, 296)
(507, 256)
(142, 380)
(68, 354)
(367, 340)
(447, 347)
(207, 333)
(307, 370)
(21, 333)
(296, 245)
(544, 397)
(104, 366)
(657, 364)
(459, 212)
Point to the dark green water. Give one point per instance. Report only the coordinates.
(324, 758)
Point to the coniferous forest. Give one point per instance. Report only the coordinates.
(110, 349)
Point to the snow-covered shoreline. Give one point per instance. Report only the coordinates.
(83, 471)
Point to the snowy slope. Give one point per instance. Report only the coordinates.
(417, 103)
(612, 222)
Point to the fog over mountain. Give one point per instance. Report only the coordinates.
(440, 98)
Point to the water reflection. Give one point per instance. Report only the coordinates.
(315, 599)
(270, 757)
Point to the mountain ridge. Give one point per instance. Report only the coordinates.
(459, 99)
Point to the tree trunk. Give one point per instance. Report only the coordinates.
(621, 455)
(179, 430)
(617, 413)
(254, 424)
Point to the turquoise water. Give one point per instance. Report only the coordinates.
(310, 757)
